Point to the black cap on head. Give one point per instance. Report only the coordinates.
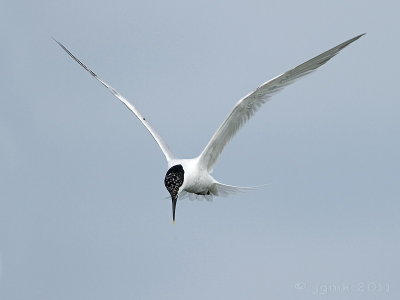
(173, 181)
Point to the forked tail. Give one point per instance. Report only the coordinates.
(224, 190)
(219, 190)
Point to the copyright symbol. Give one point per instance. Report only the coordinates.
(299, 285)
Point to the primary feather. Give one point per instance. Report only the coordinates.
(247, 106)
(161, 143)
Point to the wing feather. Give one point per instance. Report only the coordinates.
(248, 105)
(164, 147)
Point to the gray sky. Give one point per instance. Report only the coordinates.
(83, 213)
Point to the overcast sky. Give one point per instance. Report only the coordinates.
(83, 208)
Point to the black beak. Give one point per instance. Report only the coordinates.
(174, 207)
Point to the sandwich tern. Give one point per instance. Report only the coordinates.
(193, 176)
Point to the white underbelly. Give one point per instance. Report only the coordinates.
(199, 184)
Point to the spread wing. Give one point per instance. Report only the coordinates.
(164, 147)
(247, 106)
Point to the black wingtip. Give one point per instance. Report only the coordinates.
(54, 39)
(76, 59)
(355, 38)
(358, 36)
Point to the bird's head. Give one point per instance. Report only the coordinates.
(173, 181)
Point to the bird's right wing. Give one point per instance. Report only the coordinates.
(247, 106)
(164, 147)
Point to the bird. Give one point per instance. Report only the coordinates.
(193, 176)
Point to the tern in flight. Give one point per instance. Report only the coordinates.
(193, 176)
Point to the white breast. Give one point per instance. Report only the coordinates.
(196, 179)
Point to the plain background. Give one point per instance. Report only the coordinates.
(83, 208)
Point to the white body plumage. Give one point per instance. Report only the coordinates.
(193, 176)
(197, 178)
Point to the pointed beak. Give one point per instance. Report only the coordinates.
(174, 207)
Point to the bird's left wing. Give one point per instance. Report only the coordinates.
(164, 147)
(247, 106)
